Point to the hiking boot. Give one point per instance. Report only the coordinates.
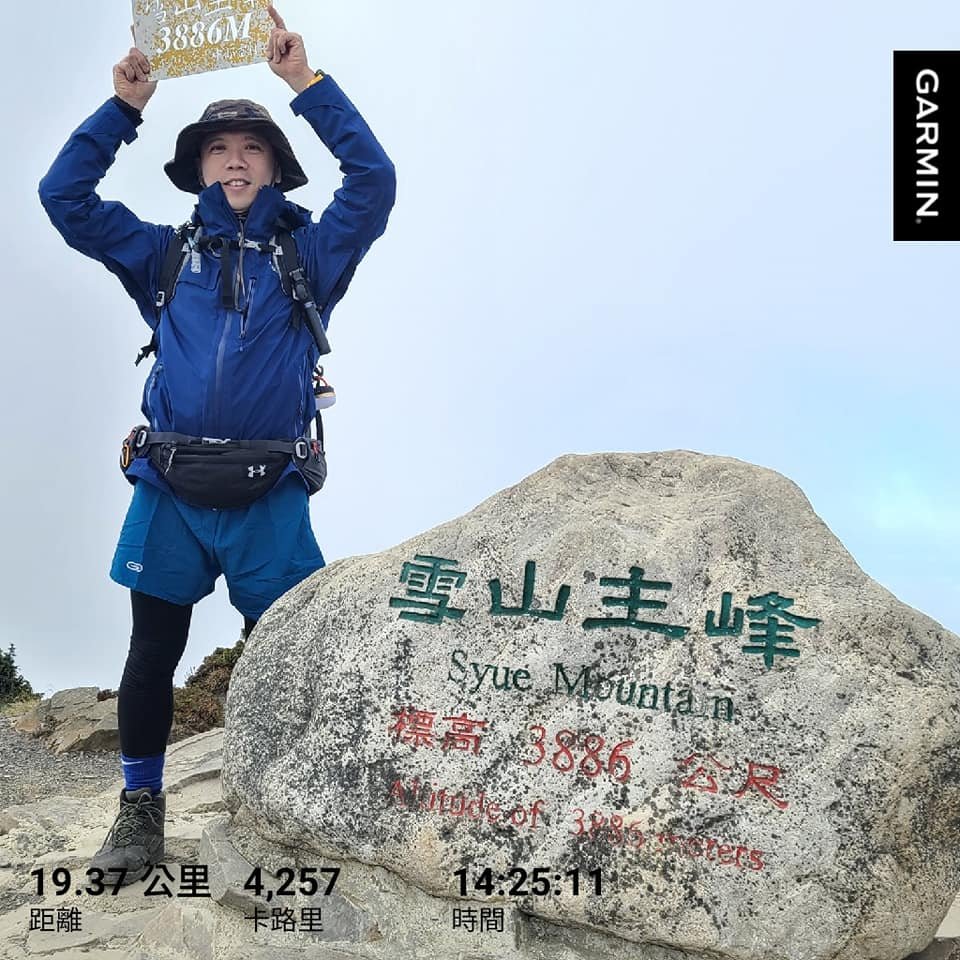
(135, 840)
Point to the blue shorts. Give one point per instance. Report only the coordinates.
(171, 550)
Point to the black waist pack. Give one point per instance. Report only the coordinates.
(226, 474)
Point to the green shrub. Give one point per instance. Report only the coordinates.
(213, 675)
(13, 687)
(198, 704)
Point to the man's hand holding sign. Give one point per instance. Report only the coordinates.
(287, 55)
(237, 301)
(131, 79)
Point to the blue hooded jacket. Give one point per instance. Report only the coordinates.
(244, 373)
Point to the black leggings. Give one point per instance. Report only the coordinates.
(145, 698)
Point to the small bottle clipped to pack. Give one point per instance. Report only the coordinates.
(323, 393)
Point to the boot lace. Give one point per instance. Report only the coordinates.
(134, 820)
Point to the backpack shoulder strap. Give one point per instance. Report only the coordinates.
(174, 257)
(287, 258)
(296, 285)
(180, 247)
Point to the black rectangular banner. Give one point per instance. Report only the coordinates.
(926, 145)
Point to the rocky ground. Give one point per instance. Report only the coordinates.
(376, 917)
(63, 806)
(29, 770)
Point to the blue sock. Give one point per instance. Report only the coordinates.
(139, 772)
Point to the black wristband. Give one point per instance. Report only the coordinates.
(131, 112)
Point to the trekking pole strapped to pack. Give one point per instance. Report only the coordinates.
(300, 290)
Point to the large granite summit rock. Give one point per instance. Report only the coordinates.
(650, 694)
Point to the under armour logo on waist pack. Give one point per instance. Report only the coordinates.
(260, 471)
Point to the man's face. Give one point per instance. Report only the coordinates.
(241, 162)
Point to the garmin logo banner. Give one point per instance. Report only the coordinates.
(926, 145)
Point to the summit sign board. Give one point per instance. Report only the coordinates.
(184, 37)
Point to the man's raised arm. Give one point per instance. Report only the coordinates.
(361, 206)
(104, 230)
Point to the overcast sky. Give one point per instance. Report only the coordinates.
(620, 226)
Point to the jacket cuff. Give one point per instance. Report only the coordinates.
(132, 114)
(322, 93)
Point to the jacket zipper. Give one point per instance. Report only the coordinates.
(247, 303)
(151, 389)
(225, 336)
(306, 369)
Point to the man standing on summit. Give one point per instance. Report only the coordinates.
(223, 471)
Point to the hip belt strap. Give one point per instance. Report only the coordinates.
(147, 438)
